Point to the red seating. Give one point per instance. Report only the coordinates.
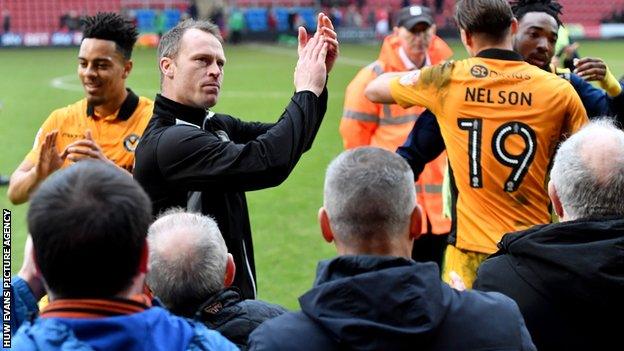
(588, 12)
(44, 15)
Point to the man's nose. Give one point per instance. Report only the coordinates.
(214, 70)
(90, 70)
(542, 44)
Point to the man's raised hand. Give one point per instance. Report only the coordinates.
(311, 69)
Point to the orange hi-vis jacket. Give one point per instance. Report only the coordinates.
(365, 123)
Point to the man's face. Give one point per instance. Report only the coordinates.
(536, 38)
(415, 42)
(197, 71)
(102, 70)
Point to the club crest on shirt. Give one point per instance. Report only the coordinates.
(410, 78)
(130, 142)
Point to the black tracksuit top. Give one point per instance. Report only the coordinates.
(186, 151)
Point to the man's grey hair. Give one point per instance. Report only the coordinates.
(169, 44)
(369, 195)
(187, 260)
(588, 171)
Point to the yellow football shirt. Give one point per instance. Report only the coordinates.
(118, 134)
(501, 120)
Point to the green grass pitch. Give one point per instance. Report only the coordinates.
(257, 86)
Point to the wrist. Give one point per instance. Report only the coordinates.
(610, 84)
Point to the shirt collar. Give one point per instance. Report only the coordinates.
(500, 54)
(177, 111)
(126, 109)
(95, 308)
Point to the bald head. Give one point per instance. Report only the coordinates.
(187, 261)
(588, 171)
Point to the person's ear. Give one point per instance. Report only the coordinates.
(554, 198)
(432, 30)
(416, 223)
(167, 67)
(466, 38)
(514, 26)
(144, 258)
(128, 64)
(230, 271)
(326, 230)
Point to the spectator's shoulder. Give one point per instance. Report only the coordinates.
(209, 340)
(47, 334)
(261, 310)
(290, 331)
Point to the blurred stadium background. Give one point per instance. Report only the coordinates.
(38, 70)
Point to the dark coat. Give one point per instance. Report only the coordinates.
(568, 280)
(390, 303)
(235, 318)
(206, 162)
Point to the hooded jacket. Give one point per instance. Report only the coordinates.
(152, 329)
(568, 280)
(390, 303)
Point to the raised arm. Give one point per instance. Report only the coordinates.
(379, 89)
(424, 143)
(197, 160)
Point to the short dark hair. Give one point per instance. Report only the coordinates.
(491, 18)
(113, 27)
(550, 7)
(169, 44)
(89, 224)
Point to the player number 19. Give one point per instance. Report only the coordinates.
(519, 164)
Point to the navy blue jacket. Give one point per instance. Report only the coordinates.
(568, 280)
(235, 318)
(391, 303)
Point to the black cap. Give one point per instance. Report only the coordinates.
(412, 15)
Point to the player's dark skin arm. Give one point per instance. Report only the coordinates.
(424, 143)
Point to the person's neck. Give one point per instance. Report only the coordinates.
(135, 288)
(418, 62)
(484, 45)
(393, 248)
(111, 106)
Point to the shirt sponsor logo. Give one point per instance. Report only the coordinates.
(479, 71)
(73, 136)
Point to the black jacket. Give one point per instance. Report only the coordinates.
(390, 303)
(568, 280)
(235, 318)
(205, 163)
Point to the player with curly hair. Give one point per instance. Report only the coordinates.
(105, 125)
